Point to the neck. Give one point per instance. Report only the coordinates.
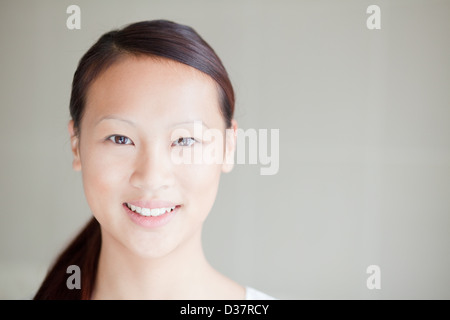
(184, 273)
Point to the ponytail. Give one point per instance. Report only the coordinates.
(83, 252)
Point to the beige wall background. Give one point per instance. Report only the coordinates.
(364, 120)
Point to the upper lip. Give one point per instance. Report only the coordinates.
(152, 204)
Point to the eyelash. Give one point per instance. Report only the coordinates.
(114, 137)
(182, 138)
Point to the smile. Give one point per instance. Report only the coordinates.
(147, 212)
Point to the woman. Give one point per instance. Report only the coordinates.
(141, 99)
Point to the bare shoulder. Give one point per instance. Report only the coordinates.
(253, 294)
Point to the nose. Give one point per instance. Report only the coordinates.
(152, 170)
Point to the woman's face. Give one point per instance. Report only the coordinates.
(139, 121)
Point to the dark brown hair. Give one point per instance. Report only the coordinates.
(160, 39)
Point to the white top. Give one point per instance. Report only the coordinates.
(253, 294)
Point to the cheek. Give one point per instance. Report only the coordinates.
(102, 175)
(200, 184)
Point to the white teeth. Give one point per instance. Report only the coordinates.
(149, 212)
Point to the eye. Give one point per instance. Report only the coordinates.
(120, 139)
(184, 142)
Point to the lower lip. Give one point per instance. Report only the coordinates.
(150, 222)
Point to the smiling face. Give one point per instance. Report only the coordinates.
(127, 143)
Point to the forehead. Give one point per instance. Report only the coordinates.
(150, 88)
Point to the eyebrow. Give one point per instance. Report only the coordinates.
(114, 117)
(190, 122)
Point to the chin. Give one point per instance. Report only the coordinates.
(152, 248)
